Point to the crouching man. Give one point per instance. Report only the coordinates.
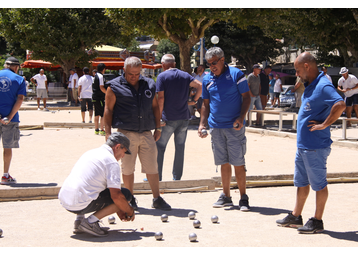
(94, 185)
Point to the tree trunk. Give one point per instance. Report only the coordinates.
(184, 54)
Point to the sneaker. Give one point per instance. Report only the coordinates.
(39, 109)
(46, 110)
(8, 180)
(223, 201)
(77, 231)
(96, 132)
(90, 121)
(102, 132)
(145, 179)
(133, 203)
(83, 121)
(290, 221)
(244, 203)
(92, 228)
(161, 204)
(312, 226)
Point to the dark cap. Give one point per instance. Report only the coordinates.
(256, 66)
(12, 61)
(119, 138)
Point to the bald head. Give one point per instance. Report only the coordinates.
(306, 67)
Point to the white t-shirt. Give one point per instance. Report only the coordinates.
(277, 87)
(95, 171)
(351, 82)
(100, 77)
(73, 78)
(40, 79)
(86, 86)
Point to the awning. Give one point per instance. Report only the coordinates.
(39, 64)
(116, 65)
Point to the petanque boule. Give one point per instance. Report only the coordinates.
(158, 235)
(204, 132)
(191, 215)
(111, 220)
(192, 237)
(196, 223)
(214, 219)
(164, 218)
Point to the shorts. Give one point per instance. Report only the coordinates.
(84, 102)
(103, 200)
(310, 168)
(257, 102)
(143, 145)
(98, 107)
(272, 95)
(352, 100)
(75, 93)
(10, 135)
(229, 146)
(42, 93)
(277, 94)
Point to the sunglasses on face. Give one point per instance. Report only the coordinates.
(213, 63)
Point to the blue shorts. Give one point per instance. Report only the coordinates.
(257, 102)
(310, 168)
(229, 146)
(352, 100)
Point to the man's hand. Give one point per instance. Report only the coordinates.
(157, 135)
(315, 125)
(200, 133)
(125, 217)
(238, 124)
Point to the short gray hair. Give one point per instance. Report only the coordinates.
(132, 62)
(168, 58)
(214, 51)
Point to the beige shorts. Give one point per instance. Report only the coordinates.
(75, 93)
(143, 145)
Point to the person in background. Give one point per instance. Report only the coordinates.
(85, 94)
(277, 89)
(271, 86)
(41, 88)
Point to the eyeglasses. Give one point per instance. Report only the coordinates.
(213, 63)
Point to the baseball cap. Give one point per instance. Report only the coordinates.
(256, 66)
(12, 61)
(120, 138)
(343, 70)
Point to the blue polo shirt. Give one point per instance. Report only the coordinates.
(11, 85)
(317, 101)
(224, 93)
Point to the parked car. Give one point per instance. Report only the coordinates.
(287, 97)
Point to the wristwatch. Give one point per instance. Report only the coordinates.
(159, 129)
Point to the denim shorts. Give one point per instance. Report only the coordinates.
(310, 168)
(257, 102)
(229, 146)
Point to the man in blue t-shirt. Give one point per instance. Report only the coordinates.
(12, 93)
(173, 91)
(321, 106)
(226, 100)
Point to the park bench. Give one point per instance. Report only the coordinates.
(344, 125)
(280, 121)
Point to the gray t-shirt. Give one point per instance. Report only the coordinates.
(254, 82)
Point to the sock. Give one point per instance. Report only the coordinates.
(92, 219)
(155, 199)
(6, 175)
(80, 217)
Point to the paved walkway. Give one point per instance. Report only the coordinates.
(46, 157)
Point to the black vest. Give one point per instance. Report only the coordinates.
(133, 109)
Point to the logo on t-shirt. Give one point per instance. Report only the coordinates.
(228, 77)
(148, 93)
(5, 84)
(307, 107)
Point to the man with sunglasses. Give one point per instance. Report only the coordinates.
(226, 100)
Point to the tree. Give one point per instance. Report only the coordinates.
(249, 46)
(183, 26)
(166, 46)
(61, 36)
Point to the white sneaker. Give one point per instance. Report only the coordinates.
(45, 109)
(39, 109)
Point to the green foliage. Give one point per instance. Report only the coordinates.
(60, 36)
(249, 46)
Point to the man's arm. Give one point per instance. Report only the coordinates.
(297, 85)
(108, 111)
(335, 113)
(157, 118)
(239, 122)
(79, 92)
(126, 211)
(196, 85)
(15, 108)
(160, 102)
(204, 115)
